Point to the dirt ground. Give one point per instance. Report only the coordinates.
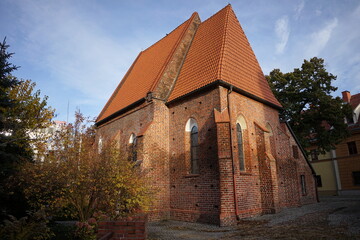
(332, 218)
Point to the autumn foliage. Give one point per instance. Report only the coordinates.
(81, 179)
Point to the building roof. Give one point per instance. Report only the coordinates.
(355, 100)
(354, 103)
(145, 72)
(219, 51)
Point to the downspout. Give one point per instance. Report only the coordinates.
(316, 191)
(336, 172)
(232, 155)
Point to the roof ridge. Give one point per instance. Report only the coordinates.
(168, 33)
(173, 49)
(183, 61)
(229, 5)
(118, 87)
(355, 95)
(227, 8)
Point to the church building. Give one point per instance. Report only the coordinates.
(198, 115)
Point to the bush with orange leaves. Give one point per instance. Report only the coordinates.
(80, 180)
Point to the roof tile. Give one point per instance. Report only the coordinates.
(355, 100)
(221, 51)
(145, 72)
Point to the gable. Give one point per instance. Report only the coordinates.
(218, 52)
(144, 73)
(221, 51)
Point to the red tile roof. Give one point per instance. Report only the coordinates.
(144, 72)
(355, 100)
(221, 51)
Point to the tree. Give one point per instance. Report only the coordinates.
(6, 82)
(83, 178)
(314, 115)
(22, 111)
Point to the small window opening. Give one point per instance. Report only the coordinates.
(133, 149)
(352, 148)
(100, 145)
(356, 178)
(194, 144)
(314, 155)
(240, 147)
(303, 184)
(318, 181)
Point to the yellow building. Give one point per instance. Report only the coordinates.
(338, 171)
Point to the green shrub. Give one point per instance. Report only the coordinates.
(32, 227)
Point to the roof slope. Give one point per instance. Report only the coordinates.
(221, 51)
(144, 72)
(355, 100)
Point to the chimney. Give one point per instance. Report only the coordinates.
(346, 96)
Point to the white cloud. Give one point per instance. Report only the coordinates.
(282, 31)
(298, 9)
(320, 38)
(73, 48)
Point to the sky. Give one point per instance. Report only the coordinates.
(77, 52)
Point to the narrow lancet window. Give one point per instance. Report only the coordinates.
(194, 144)
(240, 147)
(133, 149)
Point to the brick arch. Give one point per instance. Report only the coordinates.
(100, 144)
(133, 148)
(269, 128)
(241, 120)
(191, 151)
(270, 140)
(132, 138)
(190, 123)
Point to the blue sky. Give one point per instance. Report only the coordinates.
(78, 51)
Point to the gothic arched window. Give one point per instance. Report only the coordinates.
(239, 136)
(194, 145)
(132, 149)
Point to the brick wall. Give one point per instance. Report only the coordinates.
(149, 123)
(131, 228)
(270, 181)
(167, 81)
(156, 160)
(194, 197)
(291, 178)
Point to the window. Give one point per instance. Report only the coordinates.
(356, 178)
(303, 184)
(318, 181)
(240, 147)
(295, 151)
(100, 144)
(314, 155)
(194, 145)
(352, 148)
(132, 148)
